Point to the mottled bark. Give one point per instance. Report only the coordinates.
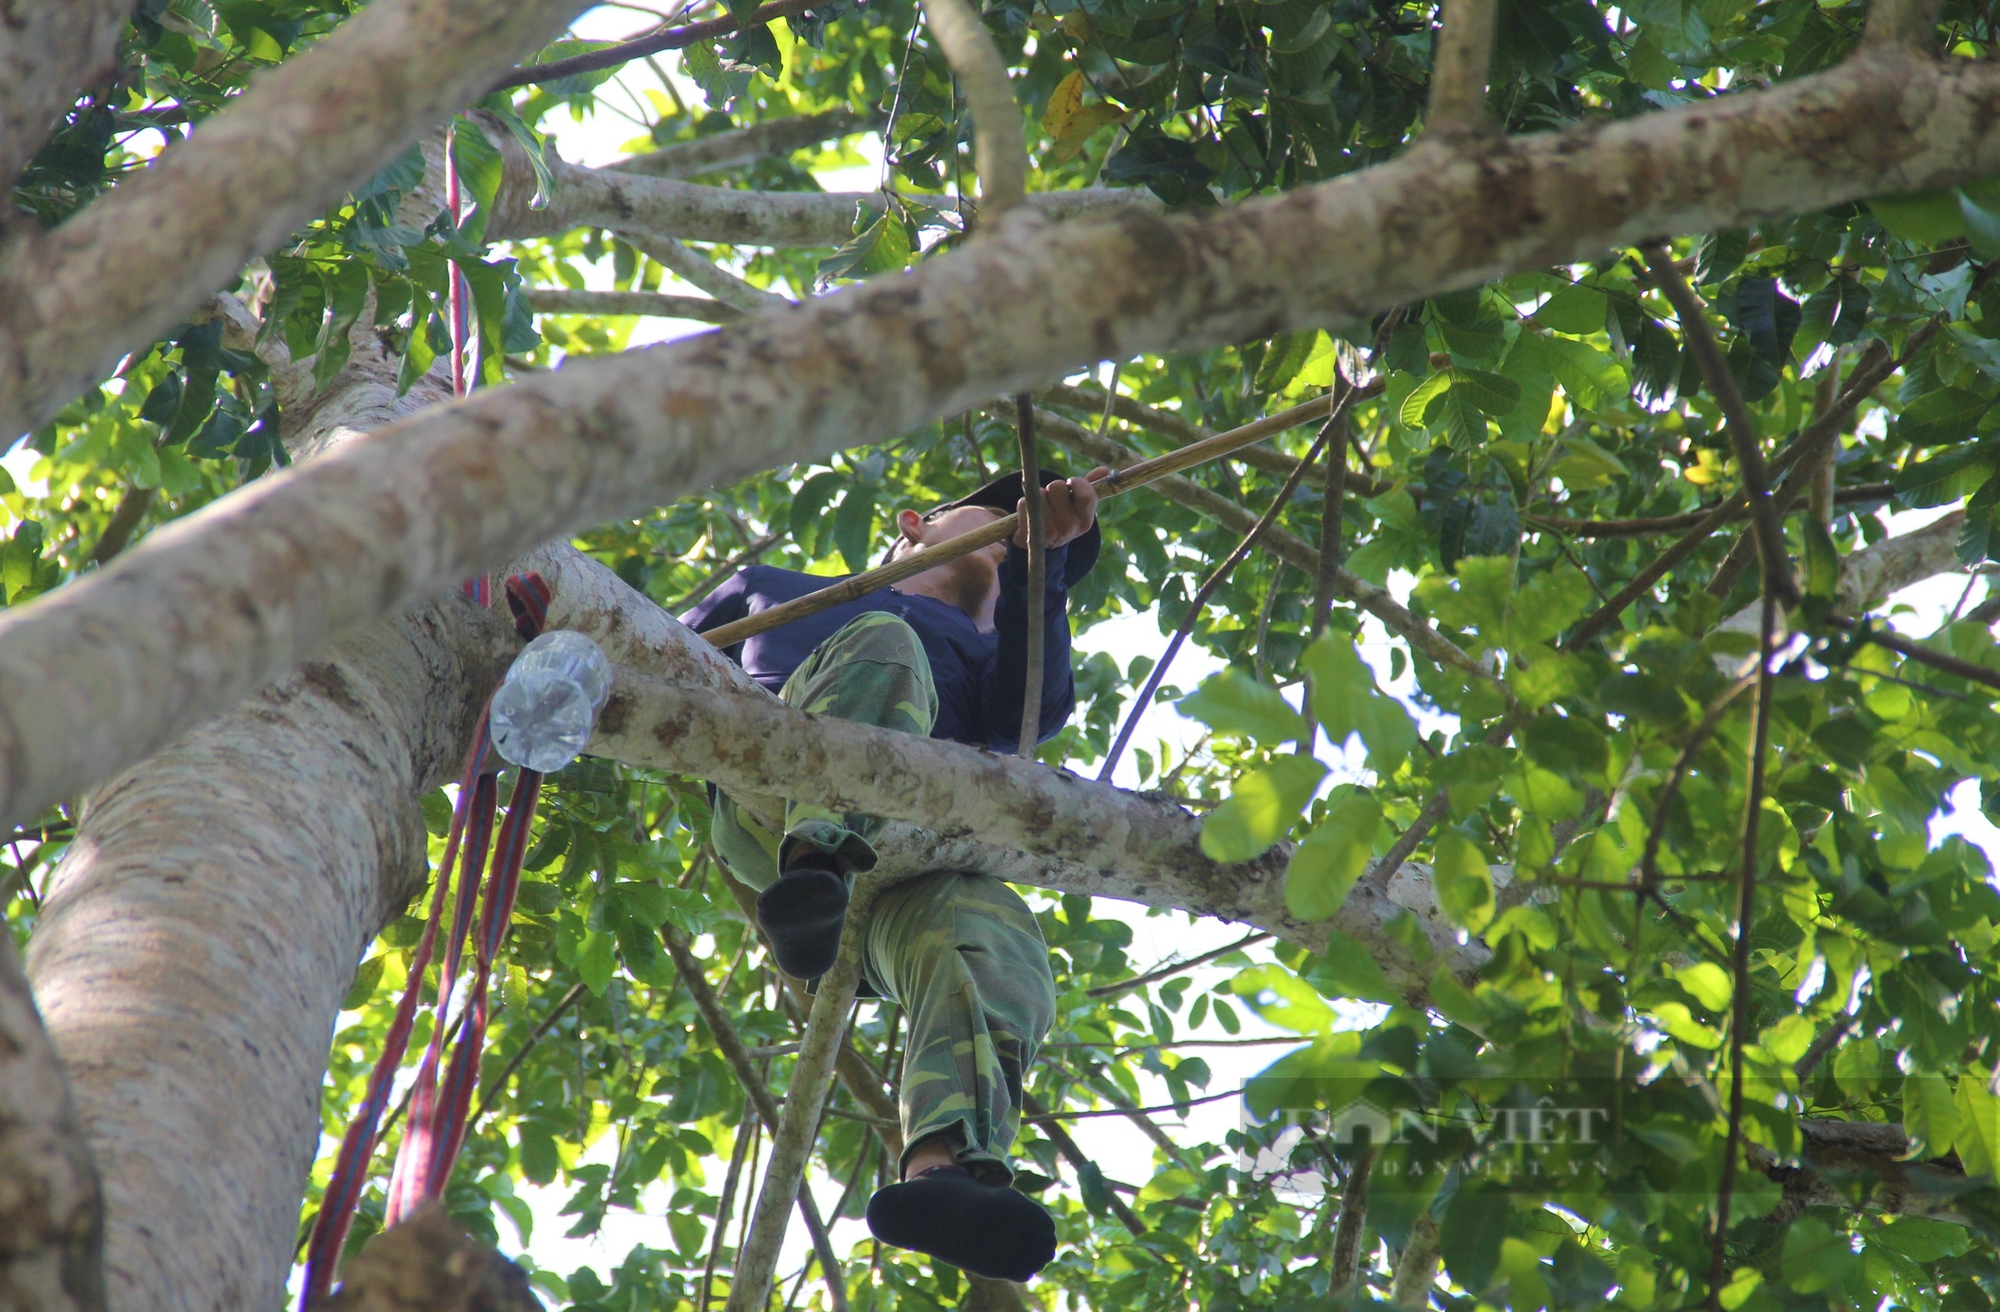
(51, 1212)
(112, 667)
(429, 1264)
(620, 200)
(129, 266)
(563, 300)
(196, 942)
(49, 53)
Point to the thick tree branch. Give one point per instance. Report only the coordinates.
(631, 202)
(51, 1213)
(798, 1124)
(767, 1108)
(1902, 22)
(112, 667)
(128, 267)
(48, 54)
(1000, 146)
(1459, 68)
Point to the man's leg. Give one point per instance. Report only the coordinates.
(872, 671)
(964, 956)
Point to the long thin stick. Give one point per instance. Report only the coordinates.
(1208, 587)
(1124, 480)
(1074, 1155)
(1741, 423)
(1038, 578)
(673, 38)
(1739, 1019)
(724, 1206)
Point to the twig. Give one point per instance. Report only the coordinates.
(1216, 579)
(715, 577)
(1345, 1259)
(1181, 432)
(1739, 1020)
(1175, 968)
(1937, 660)
(1038, 540)
(1078, 1162)
(1140, 1121)
(1657, 832)
(1741, 423)
(675, 256)
(1826, 1041)
(499, 1085)
(723, 1208)
(124, 522)
(566, 300)
(1464, 53)
(1123, 1111)
(1640, 528)
(738, 1057)
(1333, 507)
(673, 38)
(999, 144)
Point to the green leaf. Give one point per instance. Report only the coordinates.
(1930, 1115)
(1233, 702)
(1944, 479)
(1464, 883)
(1585, 372)
(853, 525)
(1346, 970)
(1471, 1233)
(346, 292)
(1411, 415)
(596, 960)
(1493, 394)
(1822, 561)
(1332, 857)
(1929, 218)
(1345, 701)
(1948, 415)
(480, 170)
(1576, 309)
(1708, 983)
(365, 980)
(809, 505)
(1261, 808)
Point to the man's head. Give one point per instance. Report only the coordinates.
(972, 582)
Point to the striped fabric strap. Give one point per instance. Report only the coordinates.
(438, 1113)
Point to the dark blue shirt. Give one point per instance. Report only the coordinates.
(980, 677)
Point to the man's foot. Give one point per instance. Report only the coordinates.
(801, 914)
(987, 1229)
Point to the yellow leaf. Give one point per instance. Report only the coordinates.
(1077, 24)
(1081, 124)
(1064, 101)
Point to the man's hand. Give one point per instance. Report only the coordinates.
(1069, 508)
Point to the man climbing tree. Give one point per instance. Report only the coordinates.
(1605, 375)
(944, 653)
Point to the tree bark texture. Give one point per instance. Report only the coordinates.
(51, 1211)
(196, 942)
(112, 667)
(129, 266)
(49, 53)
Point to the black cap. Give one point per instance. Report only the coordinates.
(1004, 495)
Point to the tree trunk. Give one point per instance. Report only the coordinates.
(197, 940)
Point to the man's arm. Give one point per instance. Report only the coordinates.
(1011, 617)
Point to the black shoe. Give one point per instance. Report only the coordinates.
(801, 915)
(987, 1229)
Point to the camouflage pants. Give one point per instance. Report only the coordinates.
(961, 952)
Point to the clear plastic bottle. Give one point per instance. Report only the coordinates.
(548, 703)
